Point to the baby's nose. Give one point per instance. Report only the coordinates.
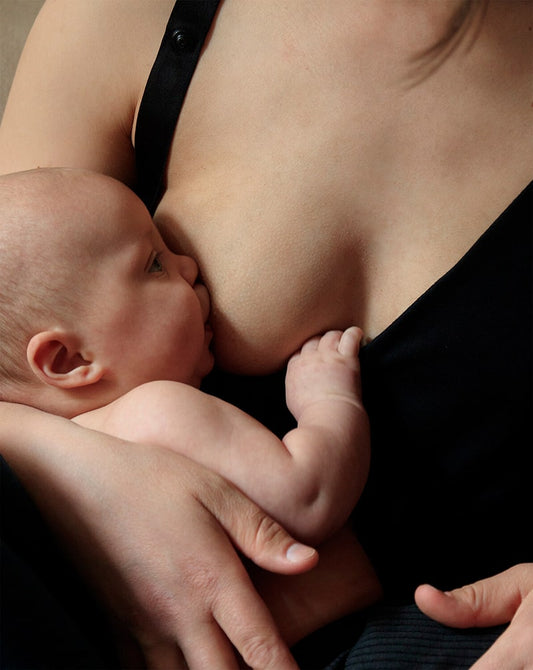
(188, 268)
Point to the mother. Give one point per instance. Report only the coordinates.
(333, 163)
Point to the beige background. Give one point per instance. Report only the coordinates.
(16, 18)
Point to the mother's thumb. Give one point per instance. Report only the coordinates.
(259, 537)
(488, 602)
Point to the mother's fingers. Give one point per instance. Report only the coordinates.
(256, 639)
(222, 613)
(513, 650)
(255, 534)
(488, 602)
(227, 606)
(205, 645)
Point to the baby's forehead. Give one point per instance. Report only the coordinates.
(111, 216)
(62, 207)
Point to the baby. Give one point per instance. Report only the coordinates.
(101, 323)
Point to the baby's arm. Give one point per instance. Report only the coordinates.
(331, 445)
(311, 480)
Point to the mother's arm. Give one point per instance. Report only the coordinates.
(506, 597)
(155, 534)
(77, 85)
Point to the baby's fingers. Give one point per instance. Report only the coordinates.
(329, 342)
(350, 342)
(310, 345)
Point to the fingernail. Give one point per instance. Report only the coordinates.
(297, 553)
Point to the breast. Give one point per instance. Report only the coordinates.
(262, 187)
(310, 194)
(278, 271)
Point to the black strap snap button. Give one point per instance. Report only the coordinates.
(183, 40)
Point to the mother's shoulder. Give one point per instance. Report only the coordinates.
(80, 76)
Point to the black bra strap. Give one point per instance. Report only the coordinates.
(165, 92)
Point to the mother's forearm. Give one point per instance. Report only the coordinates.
(38, 445)
(58, 462)
(32, 440)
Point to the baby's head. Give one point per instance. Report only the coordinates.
(92, 302)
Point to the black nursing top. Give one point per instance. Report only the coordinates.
(448, 389)
(447, 385)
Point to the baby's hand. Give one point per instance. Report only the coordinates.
(326, 368)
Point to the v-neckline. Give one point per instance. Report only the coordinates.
(446, 282)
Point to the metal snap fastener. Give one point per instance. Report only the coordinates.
(183, 40)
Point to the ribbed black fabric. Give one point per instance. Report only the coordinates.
(401, 638)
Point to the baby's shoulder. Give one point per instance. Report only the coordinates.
(144, 411)
(157, 397)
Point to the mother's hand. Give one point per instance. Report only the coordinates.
(179, 583)
(155, 533)
(506, 597)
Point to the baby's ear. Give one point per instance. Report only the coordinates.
(55, 358)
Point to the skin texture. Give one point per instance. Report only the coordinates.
(363, 192)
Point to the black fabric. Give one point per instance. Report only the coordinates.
(401, 637)
(165, 92)
(448, 388)
(394, 637)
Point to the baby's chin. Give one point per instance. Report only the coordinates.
(210, 363)
(204, 368)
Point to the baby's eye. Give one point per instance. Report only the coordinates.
(156, 265)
